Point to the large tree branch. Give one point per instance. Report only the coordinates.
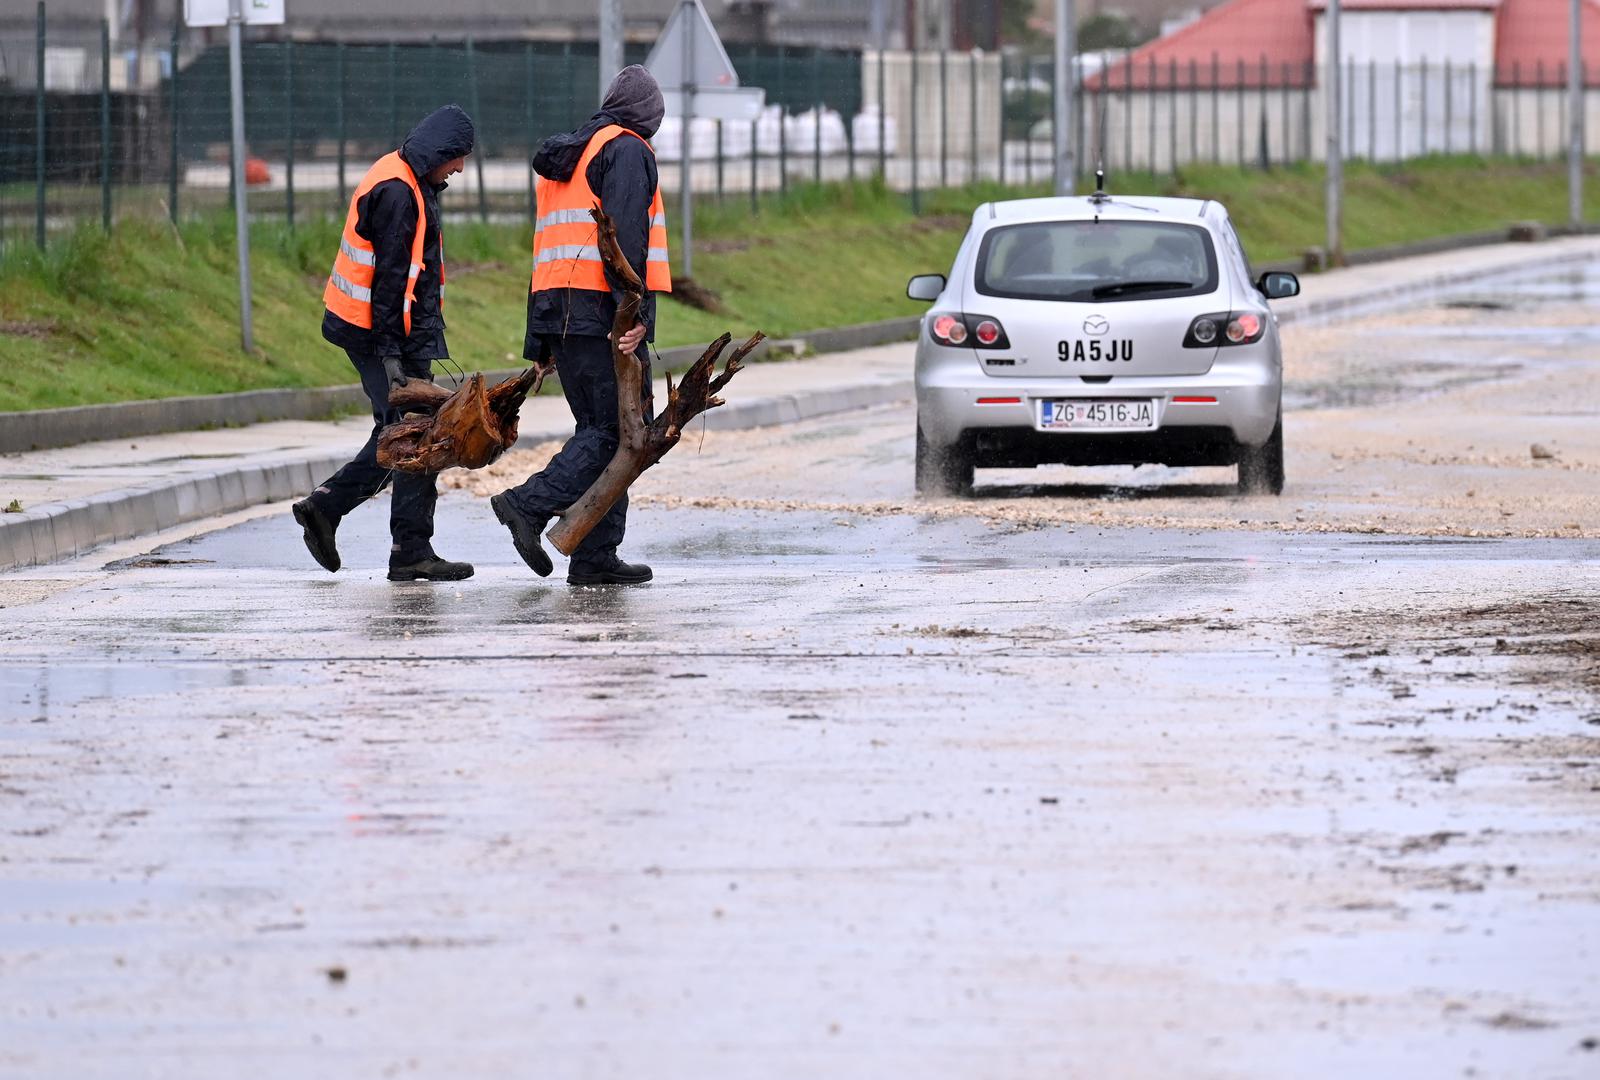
(641, 445)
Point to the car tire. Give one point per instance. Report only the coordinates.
(1261, 467)
(943, 470)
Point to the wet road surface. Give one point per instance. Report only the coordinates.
(844, 794)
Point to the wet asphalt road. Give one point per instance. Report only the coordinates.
(860, 786)
(837, 794)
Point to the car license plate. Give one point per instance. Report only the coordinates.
(1129, 414)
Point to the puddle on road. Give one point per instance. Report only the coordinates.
(38, 693)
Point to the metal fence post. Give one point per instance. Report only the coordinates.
(105, 125)
(1308, 83)
(883, 125)
(1561, 108)
(944, 122)
(288, 124)
(783, 135)
(1449, 103)
(816, 131)
(172, 179)
(1194, 112)
(338, 97)
(1516, 108)
(1538, 109)
(479, 143)
(1288, 135)
(755, 146)
(527, 116)
(1150, 115)
(972, 120)
(1421, 119)
(1399, 113)
(38, 133)
(1216, 117)
(719, 162)
(1027, 120)
(1472, 108)
(1127, 112)
(1348, 87)
(1266, 135)
(1239, 86)
(1172, 116)
(916, 196)
(1372, 111)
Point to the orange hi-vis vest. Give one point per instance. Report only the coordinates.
(349, 290)
(564, 252)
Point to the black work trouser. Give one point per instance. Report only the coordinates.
(411, 506)
(589, 381)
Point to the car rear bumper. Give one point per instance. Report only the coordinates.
(1246, 386)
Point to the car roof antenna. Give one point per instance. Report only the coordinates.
(1099, 197)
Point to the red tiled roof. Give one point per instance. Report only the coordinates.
(1239, 34)
(1409, 5)
(1531, 32)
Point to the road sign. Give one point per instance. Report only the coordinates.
(215, 12)
(689, 52)
(697, 79)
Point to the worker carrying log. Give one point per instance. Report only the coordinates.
(572, 305)
(385, 308)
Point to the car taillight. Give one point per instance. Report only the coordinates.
(988, 333)
(948, 330)
(1225, 328)
(1244, 328)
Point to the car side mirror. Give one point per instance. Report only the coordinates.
(925, 287)
(1278, 285)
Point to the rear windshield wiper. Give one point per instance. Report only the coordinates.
(1101, 291)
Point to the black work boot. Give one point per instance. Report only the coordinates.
(429, 568)
(607, 571)
(525, 533)
(319, 529)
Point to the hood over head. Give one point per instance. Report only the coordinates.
(443, 135)
(633, 100)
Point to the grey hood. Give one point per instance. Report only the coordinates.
(443, 135)
(633, 100)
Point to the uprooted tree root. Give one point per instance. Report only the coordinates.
(641, 445)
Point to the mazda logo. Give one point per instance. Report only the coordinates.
(1095, 325)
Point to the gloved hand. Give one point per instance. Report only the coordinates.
(391, 368)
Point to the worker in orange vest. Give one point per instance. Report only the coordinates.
(385, 308)
(571, 304)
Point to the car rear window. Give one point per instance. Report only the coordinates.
(1096, 261)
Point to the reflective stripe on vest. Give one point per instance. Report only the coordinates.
(349, 290)
(565, 255)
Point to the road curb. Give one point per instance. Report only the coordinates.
(1390, 296)
(63, 530)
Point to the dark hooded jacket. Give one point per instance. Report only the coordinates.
(387, 217)
(624, 175)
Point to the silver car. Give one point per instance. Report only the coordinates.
(1099, 331)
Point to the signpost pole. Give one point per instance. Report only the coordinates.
(1331, 67)
(1066, 84)
(241, 215)
(1575, 116)
(685, 184)
(610, 43)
